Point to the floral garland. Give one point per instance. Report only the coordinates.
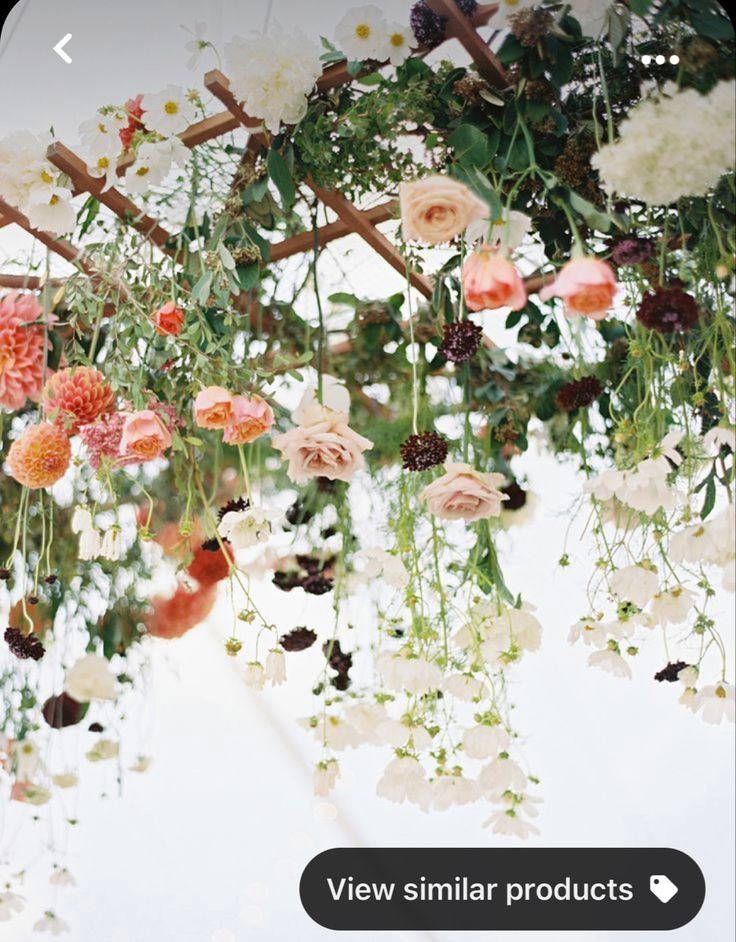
(147, 410)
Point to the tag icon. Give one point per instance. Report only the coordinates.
(662, 887)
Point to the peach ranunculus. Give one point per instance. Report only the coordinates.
(323, 447)
(587, 286)
(252, 416)
(213, 407)
(491, 281)
(437, 209)
(462, 493)
(168, 320)
(145, 436)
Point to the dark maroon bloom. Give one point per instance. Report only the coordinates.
(461, 340)
(516, 496)
(286, 581)
(62, 711)
(51, 579)
(4, 574)
(233, 506)
(670, 671)
(298, 640)
(24, 647)
(578, 394)
(632, 250)
(96, 728)
(317, 584)
(428, 27)
(423, 451)
(668, 310)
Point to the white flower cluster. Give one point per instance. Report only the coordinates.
(33, 185)
(679, 144)
(363, 33)
(272, 76)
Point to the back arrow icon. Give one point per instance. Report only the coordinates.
(59, 48)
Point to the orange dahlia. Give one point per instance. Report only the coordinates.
(40, 456)
(171, 618)
(210, 565)
(21, 350)
(77, 396)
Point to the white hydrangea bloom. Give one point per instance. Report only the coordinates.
(679, 144)
(90, 678)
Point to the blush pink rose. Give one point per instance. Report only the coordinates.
(491, 281)
(145, 436)
(252, 416)
(213, 407)
(437, 209)
(324, 447)
(168, 320)
(462, 493)
(587, 286)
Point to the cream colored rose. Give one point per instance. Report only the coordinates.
(437, 209)
(463, 493)
(323, 447)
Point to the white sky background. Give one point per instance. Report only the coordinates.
(209, 844)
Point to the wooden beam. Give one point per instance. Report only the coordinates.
(356, 221)
(463, 29)
(4, 222)
(27, 282)
(83, 182)
(304, 241)
(61, 247)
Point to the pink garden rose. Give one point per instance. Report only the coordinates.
(168, 320)
(251, 417)
(491, 281)
(145, 435)
(213, 407)
(437, 209)
(462, 493)
(323, 447)
(587, 285)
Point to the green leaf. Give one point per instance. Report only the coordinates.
(201, 291)
(595, 218)
(470, 145)
(248, 276)
(343, 297)
(278, 171)
(710, 499)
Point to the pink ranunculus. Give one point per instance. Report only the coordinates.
(437, 209)
(462, 493)
(491, 281)
(213, 407)
(587, 286)
(168, 320)
(252, 416)
(323, 447)
(145, 435)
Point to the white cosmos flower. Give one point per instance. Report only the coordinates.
(591, 631)
(103, 750)
(10, 904)
(718, 437)
(465, 687)
(366, 719)
(90, 679)
(62, 877)
(165, 153)
(65, 780)
(399, 779)
(197, 44)
(483, 742)
(51, 211)
(363, 34)
(50, 923)
(671, 606)
(169, 112)
(90, 545)
(448, 790)
(276, 667)
(689, 699)
(26, 759)
(634, 584)
(104, 167)
(334, 396)
(144, 172)
(688, 676)
(400, 40)
(100, 135)
(592, 15)
(716, 703)
(273, 76)
(510, 824)
(378, 563)
(502, 774)
(411, 674)
(325, 777)
(254, 676)
(245, 528)
(610, 661)
(506, 232)
(142, 764)
(709, 542)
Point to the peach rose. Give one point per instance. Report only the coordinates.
(437, 209)
(252, 416)
(462, 493)
(587, 285)
(168, 320)
(145, 436)
(491, 281)
(213, 407)
(324, 447)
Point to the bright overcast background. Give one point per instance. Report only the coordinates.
(209, 844)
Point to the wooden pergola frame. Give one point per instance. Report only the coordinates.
(350, 219)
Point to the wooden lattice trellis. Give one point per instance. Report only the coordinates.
(350, 219)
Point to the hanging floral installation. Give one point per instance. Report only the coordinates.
(557, 184)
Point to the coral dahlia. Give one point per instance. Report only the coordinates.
(171, 618)
(40, 456)
(77, 396)
(21, 350)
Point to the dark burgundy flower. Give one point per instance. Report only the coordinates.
(4, 574)
(298, 640)
(670, 671)
(24, 647)
(668, 310)
(423, 451)
(428, 27)
(286, 581)
(578, 394)
(632, 250)
(62, 711)
(317, 585)
(233, 506)
(460, 341)
(516, 496)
